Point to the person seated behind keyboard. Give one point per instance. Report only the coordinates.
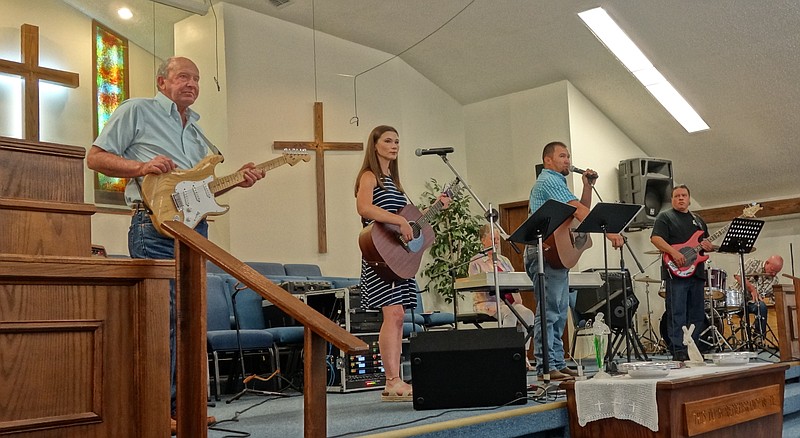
(484, 302)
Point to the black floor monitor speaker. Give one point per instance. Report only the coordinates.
(468, 368)
(592, 300)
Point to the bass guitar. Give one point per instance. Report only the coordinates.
(692, 250)
(188, 196)
(564, 247)
(385, 250)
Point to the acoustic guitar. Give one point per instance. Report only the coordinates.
(564, 247)
(385, 250)
(188, 196)
(692, 250)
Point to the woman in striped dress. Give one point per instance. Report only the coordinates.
(379, 196)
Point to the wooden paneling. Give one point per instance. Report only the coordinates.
(43, 171)
(778, 207)
(45, 228)
(85, 345)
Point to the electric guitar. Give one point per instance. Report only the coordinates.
(692, 250)
(384, 249)
(564, 247)
(188, 196)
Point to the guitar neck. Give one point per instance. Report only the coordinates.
(717, 234)
(432, 211)
(228, 181)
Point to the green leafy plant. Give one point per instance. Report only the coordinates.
(456, 241)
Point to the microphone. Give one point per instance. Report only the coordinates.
(433, 151)
(590, 176)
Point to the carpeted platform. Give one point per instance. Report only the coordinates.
(359, 414)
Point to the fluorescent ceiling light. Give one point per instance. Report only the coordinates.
(198, 7)
(615, 39)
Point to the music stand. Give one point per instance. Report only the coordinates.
(538, 227)
(740, 238)
(610, 218)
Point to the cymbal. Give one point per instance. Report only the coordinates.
(647, 279)
(653, 252)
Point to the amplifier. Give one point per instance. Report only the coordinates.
(303, 286)
(347, 373)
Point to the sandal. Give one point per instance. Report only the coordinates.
(393, 395)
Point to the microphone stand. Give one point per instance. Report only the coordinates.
(486, 212)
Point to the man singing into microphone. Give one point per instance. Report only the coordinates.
(552, 184)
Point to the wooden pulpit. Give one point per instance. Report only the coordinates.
(84, 340)
(788, 318)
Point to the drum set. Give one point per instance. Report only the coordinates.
(726, 328)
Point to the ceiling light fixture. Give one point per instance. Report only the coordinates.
(615, 39)
(125, 13)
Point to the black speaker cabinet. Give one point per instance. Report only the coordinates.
(648, 182)
(592, 300)
(468, 368)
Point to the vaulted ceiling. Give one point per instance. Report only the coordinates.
(735, 62)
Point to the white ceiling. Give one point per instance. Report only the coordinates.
(736, 62)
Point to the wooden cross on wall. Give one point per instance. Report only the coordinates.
(32, 73)
(320, 147)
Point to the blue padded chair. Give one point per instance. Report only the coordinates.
(267, 269)
(221, 334)
(251, 316)
(302, 269)
(211, 268)
(434, 319)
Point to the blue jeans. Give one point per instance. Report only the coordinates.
(555, 311)
(684, 307)
(144, 242)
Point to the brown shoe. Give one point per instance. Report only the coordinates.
(173, 425)
(557, 375)
(569, 371)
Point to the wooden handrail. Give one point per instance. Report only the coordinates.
(191, 252)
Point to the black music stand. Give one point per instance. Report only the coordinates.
(740, 238)
(538, 227)
(609, 218)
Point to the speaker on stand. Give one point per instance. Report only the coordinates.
(648, 182)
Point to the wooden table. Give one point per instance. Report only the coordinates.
(727, 404)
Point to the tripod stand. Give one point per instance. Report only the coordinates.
(718, 341)
(245, 380)
(649, 333)
(740, 238)
(608, 218)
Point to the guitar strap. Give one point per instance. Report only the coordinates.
(208, 143)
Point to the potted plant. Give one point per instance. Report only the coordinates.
(456, 241)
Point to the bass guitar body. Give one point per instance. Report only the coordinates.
(385, 252)
(690, 252)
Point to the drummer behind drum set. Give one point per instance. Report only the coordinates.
(760, 275)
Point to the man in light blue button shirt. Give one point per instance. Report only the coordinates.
(156, 136)
(552, 184)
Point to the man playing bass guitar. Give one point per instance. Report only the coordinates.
(552, 184)
(684, 294)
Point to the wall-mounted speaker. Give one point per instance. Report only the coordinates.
(468, 368)
(648, 182)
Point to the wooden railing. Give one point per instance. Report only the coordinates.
(191, 252)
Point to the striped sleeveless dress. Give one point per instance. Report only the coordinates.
(375, 291)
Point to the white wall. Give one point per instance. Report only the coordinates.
(268, 94)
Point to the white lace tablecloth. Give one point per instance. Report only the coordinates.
(632, 399)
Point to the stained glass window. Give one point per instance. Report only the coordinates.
(110, 89)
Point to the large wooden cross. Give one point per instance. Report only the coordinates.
(32, 73)
(320, 147)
